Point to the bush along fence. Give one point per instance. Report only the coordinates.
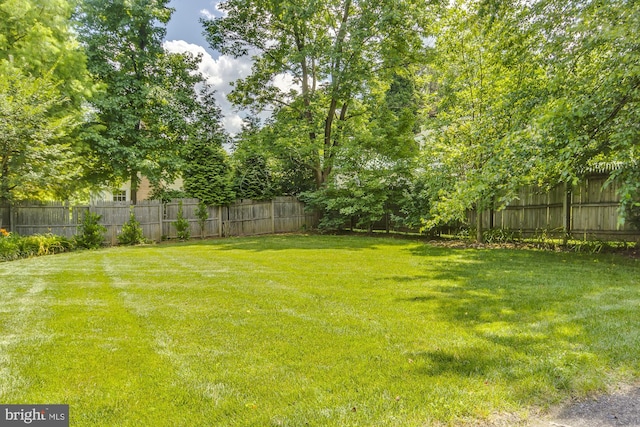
(242, 218)
(588, 211)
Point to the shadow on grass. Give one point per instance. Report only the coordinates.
(470, 362)
(295, 241)
(547, 323)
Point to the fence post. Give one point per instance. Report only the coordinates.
(219, 221)
(161, 218)
(548, 219)
(566, 209)
(11, 219)
(273, 216)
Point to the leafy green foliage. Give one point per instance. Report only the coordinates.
(361, 195)
(13, 246)
(165, 194)
(286, 166)
(34, 160)
(487, 82)
(38, 39)
(149, 104)
(207, 172)
(414, 203)
(333, 50)
(182, 224)
(131, 233)
(91, 232)
(43, 82)
(207, 175)
(589, 114)
(502, 235)
(632, 214)
(252, 178)
(202, 213)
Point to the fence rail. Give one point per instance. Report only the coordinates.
(242, 218)
(587, 211)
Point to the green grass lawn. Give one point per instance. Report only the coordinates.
(314, 330)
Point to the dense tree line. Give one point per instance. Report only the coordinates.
(467, 103)
(418, 110)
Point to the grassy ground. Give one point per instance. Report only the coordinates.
(313, 330)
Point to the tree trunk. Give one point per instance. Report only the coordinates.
(4, 182)
(479, 236)
(336, 70)
(492, 224)
(135, 183)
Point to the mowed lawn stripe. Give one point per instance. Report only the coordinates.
(270, 326)
(325, 330)
(99, 356)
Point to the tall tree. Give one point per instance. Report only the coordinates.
(38, 38)
(329, 49)
(488, 80)
(43, 81)
(374, 166)
(252, 178)
(148, 99)
(207, 172)
(35, 160)
(208, 175)
(252, 165)
(592, 114)
(287, 157)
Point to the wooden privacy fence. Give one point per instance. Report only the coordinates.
(586, 211)
(242, 218)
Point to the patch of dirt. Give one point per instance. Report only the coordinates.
(619, 408)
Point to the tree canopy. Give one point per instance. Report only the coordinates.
(591, 113)
(142, 117)
(330, 52)
(416, 111)
(43, 82)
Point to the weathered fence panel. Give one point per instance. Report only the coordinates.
(588, 210)
(157, 220)
(242, 218)
(51, 217)
(289, 215)
(189, 208)
(5, 216)
(595, 209)
(247, 218)
(116, 214)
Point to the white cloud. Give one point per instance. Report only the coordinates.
(233, 121)
(207, 14)
(217, 12)
(219, 73)
(285, 83)
(222, 13)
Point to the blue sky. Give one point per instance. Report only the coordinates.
(184, 34)
(185, 21)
